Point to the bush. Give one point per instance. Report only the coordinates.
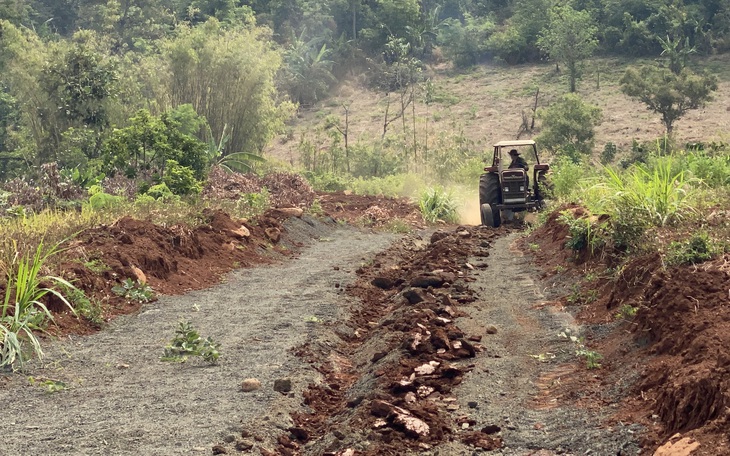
(568, 126)
(436, 204)
(159, 191)
(181, 179)
(697, 249)
(100, 200)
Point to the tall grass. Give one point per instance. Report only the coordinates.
(437, 203)
(22, 310)
(656, 193)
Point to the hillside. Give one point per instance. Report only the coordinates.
(487, 102)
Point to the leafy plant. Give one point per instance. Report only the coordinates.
(96, 266)
(187, 342)
(23, 310)
(697, 249)
(438, 204)
(627, 312)
(51, 385)
(86, 307)
(591, 357)
(134, 291)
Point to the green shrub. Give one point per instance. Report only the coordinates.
(436, 203)
(101, 200)
(568, 126)
(159, 191)
(181, 179)
(697, 249)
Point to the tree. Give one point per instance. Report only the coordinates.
(668, 94)
(569, 38)
(227, 75)
(568, 126)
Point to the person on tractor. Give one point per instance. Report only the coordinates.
(517, 161)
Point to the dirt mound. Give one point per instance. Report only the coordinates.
(389, 382)
(171, 260)
(676, 343)
(370, 210)
(285, 189)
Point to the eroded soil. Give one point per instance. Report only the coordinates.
(440, 342)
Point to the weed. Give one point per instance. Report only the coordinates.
(187, 342)
(51, 385)
(132, 291)
(90, 309)
(438, 204)
(316, 208)
(96, 266)
(534, 247)
(591, 357)
(626, 312)
(697, 249)
(22, 310)
(398, 226)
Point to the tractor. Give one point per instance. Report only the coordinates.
(507, 188)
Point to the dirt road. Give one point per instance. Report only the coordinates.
(122, 400)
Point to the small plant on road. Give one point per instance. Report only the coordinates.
(592, 357)
(134, 291)
(188, 342)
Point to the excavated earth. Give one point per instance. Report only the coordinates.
(352, 341)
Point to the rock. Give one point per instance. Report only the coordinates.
(464, 234)
(290, 211)
(274, 234)
(241, 232)
(427, 280)
(472, 404)
(437, 236)
(244, 445)
(678, 446)
(282, 385)
(383, 282)
(250, 384)
(245, 433)
(380, 408)
(491, 429)
(139, 275)
(219, 449)
(300, 434)
(491, 329)
(229, 438)
(412, 425)
(414, 296)
(355, 401)
(378, 356)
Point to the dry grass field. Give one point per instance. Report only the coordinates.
(486, 104)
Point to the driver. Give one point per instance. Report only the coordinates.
(517, 160)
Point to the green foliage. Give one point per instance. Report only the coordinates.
(466, 44)
(159, 191)
(608, 154)
(22, 309)
(568, 126)
(697, 249)
(591, 357)
(134, 291)
(100, 201)
(436, 203)
(307, 75)
(569, 38)
(187, 342)
(567, 176)
(96, 266)
(627, 312)
(88, 308)
(668, 94)
(180, 179)
(583, 232)
(254, 204)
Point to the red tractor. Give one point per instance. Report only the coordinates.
(508, 186)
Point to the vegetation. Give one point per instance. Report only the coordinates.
(23, 310)
(134, 291)
(436, 204)
(187, 342)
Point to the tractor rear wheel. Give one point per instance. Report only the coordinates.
(489, 194)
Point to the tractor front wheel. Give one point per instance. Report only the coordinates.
(490, 196)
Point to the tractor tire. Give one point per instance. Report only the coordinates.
(544, 190)
(490, 195)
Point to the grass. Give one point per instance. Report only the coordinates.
(436, 203)
(23, 312)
